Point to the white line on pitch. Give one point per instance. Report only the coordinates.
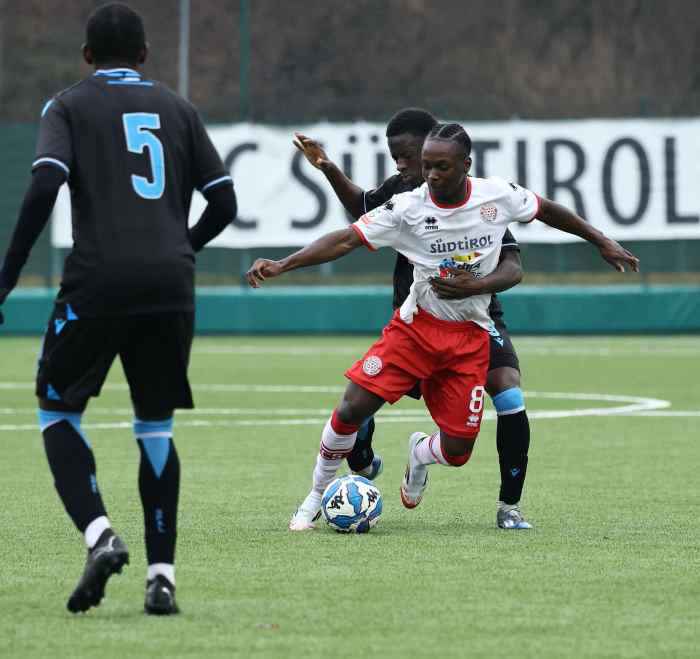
(258, 423)
(678, 413)
(534, 350)
(213, 411)
(635, 403)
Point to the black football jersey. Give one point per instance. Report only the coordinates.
(403, 270)
(133, 152)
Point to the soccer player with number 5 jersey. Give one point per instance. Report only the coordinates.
(441, 343)
(132, 153)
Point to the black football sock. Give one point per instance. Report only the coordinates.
(362, 453)
(513, 443)
(73, 467)
(159, 486)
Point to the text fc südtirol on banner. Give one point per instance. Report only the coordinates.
(633, 179)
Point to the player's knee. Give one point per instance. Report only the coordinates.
(51, 418)
(456, 450)
(56, 404)
(351, 411)
(357, 405)
(152, 414)
(501, 379)
(343, 422)
(459, 460)
(510, 401)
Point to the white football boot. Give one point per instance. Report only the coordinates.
(415, 479)
(511, 518)
(307, 513)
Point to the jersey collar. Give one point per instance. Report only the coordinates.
(117, 73)
(459, 204)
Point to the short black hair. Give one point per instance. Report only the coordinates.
(115, 32)
(453, 133)
(415, 121)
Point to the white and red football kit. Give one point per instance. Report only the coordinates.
(442, 343)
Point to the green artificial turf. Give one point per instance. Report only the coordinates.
(610, 569)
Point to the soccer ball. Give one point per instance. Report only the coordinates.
(351, 504)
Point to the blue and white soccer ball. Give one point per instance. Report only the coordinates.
(352, 504)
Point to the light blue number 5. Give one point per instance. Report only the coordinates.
(137, 128)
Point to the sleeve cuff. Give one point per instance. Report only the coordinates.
(221, 180)
(54, 162)
(537, 210)
(361, 236)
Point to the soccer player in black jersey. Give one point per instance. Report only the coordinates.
(406, 132)
(132, 153)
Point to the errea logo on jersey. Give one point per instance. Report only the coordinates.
(431, 224)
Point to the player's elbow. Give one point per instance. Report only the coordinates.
(516, 274)
(46, 181)
(511, 267)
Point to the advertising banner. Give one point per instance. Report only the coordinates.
(633, 179)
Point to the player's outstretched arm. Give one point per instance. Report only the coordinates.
(464, 284)
(560, 217)
(349, 194)
(327, 248)
(33, 216)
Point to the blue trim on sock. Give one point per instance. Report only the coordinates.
(509, 400)
(157, 449)
(147, 427)
(47, 418)
(51, 393)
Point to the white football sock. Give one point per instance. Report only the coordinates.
(507, 507)
(165, 569)
(95, 529)
(428, 451)
(334, 449)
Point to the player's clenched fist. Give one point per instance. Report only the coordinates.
(261, 270)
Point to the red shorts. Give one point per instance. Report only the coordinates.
(450, 359)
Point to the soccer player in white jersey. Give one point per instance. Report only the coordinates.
(453, 222)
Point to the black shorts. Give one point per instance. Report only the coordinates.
(154, 349)
(502, 349)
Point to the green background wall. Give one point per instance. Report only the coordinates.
(327, 310)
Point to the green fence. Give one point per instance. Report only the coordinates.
(347, 310)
